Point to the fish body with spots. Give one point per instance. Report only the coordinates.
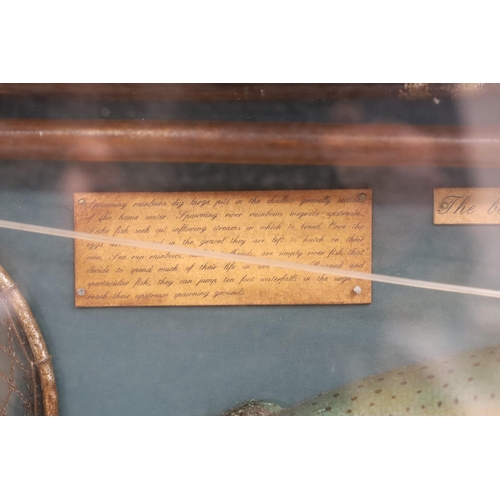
(463, 384)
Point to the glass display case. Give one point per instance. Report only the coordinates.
(412, 349)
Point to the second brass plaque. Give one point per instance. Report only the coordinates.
(466, 206)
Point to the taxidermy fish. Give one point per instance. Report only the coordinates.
(463, 384)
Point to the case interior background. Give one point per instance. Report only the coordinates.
(205, 360)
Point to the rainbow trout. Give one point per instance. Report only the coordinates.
(463, 384)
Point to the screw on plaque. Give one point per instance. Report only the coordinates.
(80, 291)
(362, 196)
(357, 290)
(444, 205)
(81, 201)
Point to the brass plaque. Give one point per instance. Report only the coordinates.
(467, 206)
(330, 228)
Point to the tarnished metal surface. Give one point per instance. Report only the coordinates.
(20, 390)
(41, 356)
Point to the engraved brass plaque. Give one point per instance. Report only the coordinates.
(467, 206)
(330, 228)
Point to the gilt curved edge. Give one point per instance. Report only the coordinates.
(37, 344)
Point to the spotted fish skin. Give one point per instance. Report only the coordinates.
(463, 384)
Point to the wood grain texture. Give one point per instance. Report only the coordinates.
(250, 143)
(247, 92)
